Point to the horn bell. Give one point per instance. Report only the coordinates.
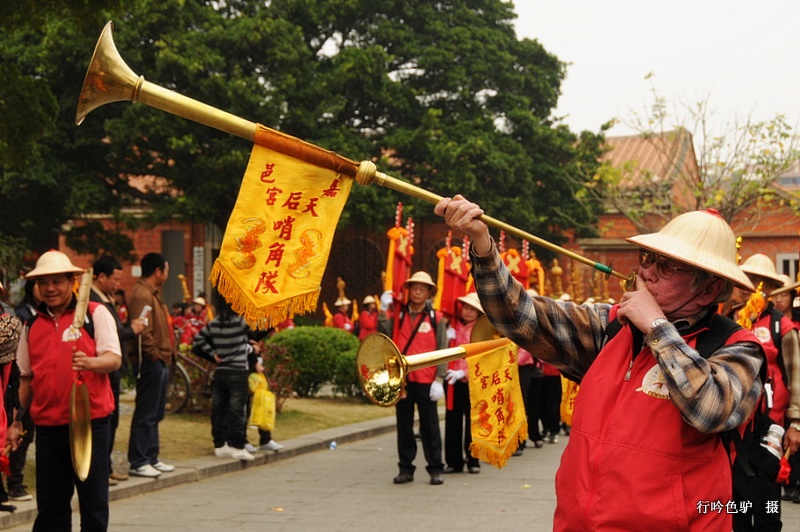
(108, 78)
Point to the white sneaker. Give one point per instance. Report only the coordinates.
(164, 468)
(145, 471)
(223, 452)
(250, 448)
(242, 454)
(271, 445)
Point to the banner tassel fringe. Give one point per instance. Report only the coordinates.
(498, 457)
(260, 317)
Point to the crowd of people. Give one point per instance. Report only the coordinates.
(41, 366)
(702, 353)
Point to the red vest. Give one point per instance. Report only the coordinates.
(631, 460)
(780, 389)
(368, 323)
(424, 341)
(51, 365)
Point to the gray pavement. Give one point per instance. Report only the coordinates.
(308, 486)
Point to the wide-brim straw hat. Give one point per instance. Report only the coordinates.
(52, 262)
(342, 301)
(368, 300)
(199, 301)
(701, 239)
(788, 285)
(422, 278)
(472, 300)
(762, 266)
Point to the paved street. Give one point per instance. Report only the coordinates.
(346, 489)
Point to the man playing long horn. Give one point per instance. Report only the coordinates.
(644, 450)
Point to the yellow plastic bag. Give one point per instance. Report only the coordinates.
(262, 415)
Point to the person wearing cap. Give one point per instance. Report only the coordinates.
(644, 449)
(416, 328)
(368, 319)
(153, 355)
(779, 339)
(457, 422)
(342, 319)
(48, 367)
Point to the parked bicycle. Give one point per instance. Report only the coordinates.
(189, 386)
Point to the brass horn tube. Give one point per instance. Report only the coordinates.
(108, 79)
(382, 369)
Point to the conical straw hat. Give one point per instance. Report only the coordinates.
(472, 300)
(701, 239)
(762, 266)
(788, 285)
(51, 262)
(422, 278)
(342, 301)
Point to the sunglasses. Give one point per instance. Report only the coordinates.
(664, 268)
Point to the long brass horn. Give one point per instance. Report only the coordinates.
(109, 79)
(382, 369)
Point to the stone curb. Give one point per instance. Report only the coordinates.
(206, 467)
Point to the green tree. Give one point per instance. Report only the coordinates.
(442, 95)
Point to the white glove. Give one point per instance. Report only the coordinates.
(451, 333)
(454, 375)
(386, 299)
(437, 391)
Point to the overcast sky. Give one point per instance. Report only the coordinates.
(744, 54)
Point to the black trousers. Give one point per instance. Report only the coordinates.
(115, 378)
(18, 458)
(457, 428)
(765, 496)
(56, 480)
(419, 395)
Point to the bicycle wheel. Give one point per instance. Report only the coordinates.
(179, 389)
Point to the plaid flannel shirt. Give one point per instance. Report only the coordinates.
(714, 394)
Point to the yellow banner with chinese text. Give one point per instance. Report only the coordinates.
(278, 237)
(499, 424)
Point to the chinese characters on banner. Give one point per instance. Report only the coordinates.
(498, 418)
(278, 238)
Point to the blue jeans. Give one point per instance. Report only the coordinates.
(151, 397)
(229, 395)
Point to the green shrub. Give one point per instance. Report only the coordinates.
(345, 378)
(314, 352)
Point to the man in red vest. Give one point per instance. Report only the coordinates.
(643, 451)
(48, 366)
(416, 328)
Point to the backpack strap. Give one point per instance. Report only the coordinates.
(775, 331)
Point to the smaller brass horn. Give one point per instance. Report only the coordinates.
(382, 369)
(484, 330)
